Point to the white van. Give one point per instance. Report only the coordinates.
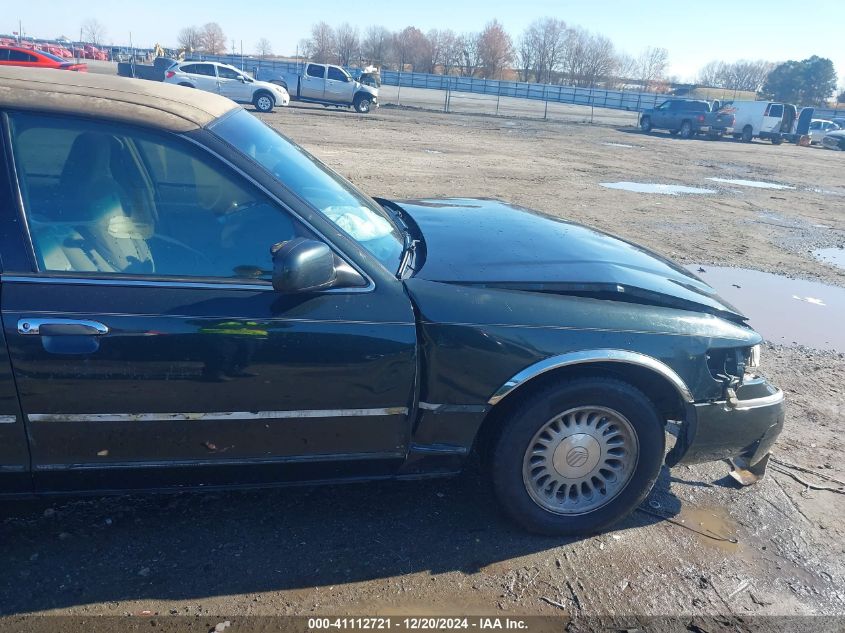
(759, 119)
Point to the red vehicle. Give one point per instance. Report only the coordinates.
(20, 56)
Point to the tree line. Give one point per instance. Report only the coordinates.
(548, 51)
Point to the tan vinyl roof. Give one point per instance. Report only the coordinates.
(139, 101)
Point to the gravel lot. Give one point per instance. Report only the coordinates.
(441, 546)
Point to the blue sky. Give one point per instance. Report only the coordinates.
(751, 29)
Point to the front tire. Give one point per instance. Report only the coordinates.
(362, 104)
(645, 124)
(576, 458)
(264, 102)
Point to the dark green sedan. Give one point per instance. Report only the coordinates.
(190, 300)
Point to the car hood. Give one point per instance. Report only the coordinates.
(490, 243)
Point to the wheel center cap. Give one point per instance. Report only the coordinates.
(576, 455)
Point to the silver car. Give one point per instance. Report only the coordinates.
(229, 82)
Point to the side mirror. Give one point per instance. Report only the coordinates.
(242, 79)
(302, 265)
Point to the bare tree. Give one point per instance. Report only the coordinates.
(626, 69)
(574, 58)
(599, 62)
(451, 50)
(347, 43)
(93, 32)
(264, 48)
(710, 74)
(652, 64)
(410, 46)
(213, 39)
(495, 50)
(374, 47)
(469, 59)
(190, 39)
(320, 47)
(548, 38)
(740, 75)
(434, 50)
(525, 50)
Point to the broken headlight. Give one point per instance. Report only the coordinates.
(752, 360)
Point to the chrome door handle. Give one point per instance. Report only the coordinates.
(62, 327)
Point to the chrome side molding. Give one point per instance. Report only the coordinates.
(593, 356)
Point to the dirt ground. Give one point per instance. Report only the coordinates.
(442, 547)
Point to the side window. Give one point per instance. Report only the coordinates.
(314, 70)
(775, 110)
(106, 198)
(664, 105)
(815, 125)
(4, 54)
(227, 73)
(20, 56)
(336, 74)
(204, 69)
(191, 69)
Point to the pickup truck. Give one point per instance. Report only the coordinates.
(686, 118)
(324, 83)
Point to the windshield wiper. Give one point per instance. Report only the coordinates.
(409, 256)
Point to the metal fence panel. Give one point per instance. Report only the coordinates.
(597, 97)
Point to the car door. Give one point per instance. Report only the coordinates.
(313, 83)
(232, 84)
(661, 115)
(203, 77)
(14, 452)
(339, 85)
(772, 118)
(147, 343)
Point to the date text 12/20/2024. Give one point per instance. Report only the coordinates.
(427, 623)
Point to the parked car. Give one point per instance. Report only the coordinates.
(189, 300)
(31, 58)
(686, 117)
(152, 72)
(229, 82)
(328, 85)
(819, 128)
(834, 140)
(760, 119)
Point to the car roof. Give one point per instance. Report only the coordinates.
(138, 101)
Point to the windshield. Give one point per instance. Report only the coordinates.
(353, 212)
(55, 58)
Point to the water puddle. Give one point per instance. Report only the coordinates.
(646, 187)
(832, 256)
(619, 145)
(757, 184)
(785, 311)
(713, 527)
(432, 151)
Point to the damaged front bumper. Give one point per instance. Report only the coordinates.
(742, 428)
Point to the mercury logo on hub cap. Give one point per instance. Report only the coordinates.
(577, 457)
